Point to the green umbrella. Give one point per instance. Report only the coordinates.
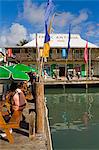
(18, 75)
(22, 67)
(4, 73)
(11, 73)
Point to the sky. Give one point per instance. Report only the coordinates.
(19, 19)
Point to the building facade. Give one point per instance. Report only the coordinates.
(56, 63)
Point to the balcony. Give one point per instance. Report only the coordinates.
(25, 57)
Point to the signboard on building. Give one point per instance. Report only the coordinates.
(59, 41)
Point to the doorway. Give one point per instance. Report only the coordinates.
(61, 71)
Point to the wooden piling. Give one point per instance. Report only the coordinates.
(86, 87)
(39, 87)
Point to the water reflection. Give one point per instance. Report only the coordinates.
(74, 114)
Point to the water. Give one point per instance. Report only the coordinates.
(74, 118)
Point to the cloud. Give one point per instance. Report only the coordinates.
(82, 17)
(68, 18)
(76, 29)
(64, 19)
(33, 13)
(92, 30)
(13, 35)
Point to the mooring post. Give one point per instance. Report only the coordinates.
(64, 87)
(40, 107)
(86, 86)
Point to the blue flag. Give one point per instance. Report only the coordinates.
(68, 48)
(47, 36)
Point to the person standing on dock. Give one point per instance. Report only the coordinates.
(32, 82)
(45, 74)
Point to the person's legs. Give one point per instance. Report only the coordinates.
(32, 121)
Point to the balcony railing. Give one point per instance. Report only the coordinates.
(25, 57)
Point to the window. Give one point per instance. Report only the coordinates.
(81, 53)
(51, 51)
(34, 51)
(78, 53)
(15, 50)
(57, 50)
(26, 50)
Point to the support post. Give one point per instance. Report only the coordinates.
(66, 69)
(40, 107)
(86, 87)
(86, 68)
(90, 63)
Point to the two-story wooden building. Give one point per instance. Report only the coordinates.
(30, 54)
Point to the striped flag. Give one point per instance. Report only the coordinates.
(86, 53)
(47, 29)
(46, 42)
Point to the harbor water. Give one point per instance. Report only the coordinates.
(74, 118)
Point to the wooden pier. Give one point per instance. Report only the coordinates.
(63, 81)
(42, 138)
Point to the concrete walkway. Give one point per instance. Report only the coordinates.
(22, 142)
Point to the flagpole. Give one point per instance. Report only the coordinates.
(41, 68)
(90, 63)
(65, 68)
(68, 49)
(46, 46)
(49, 31)
(87, 70)
(38, 58)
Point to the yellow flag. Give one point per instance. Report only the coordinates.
(46, 49)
